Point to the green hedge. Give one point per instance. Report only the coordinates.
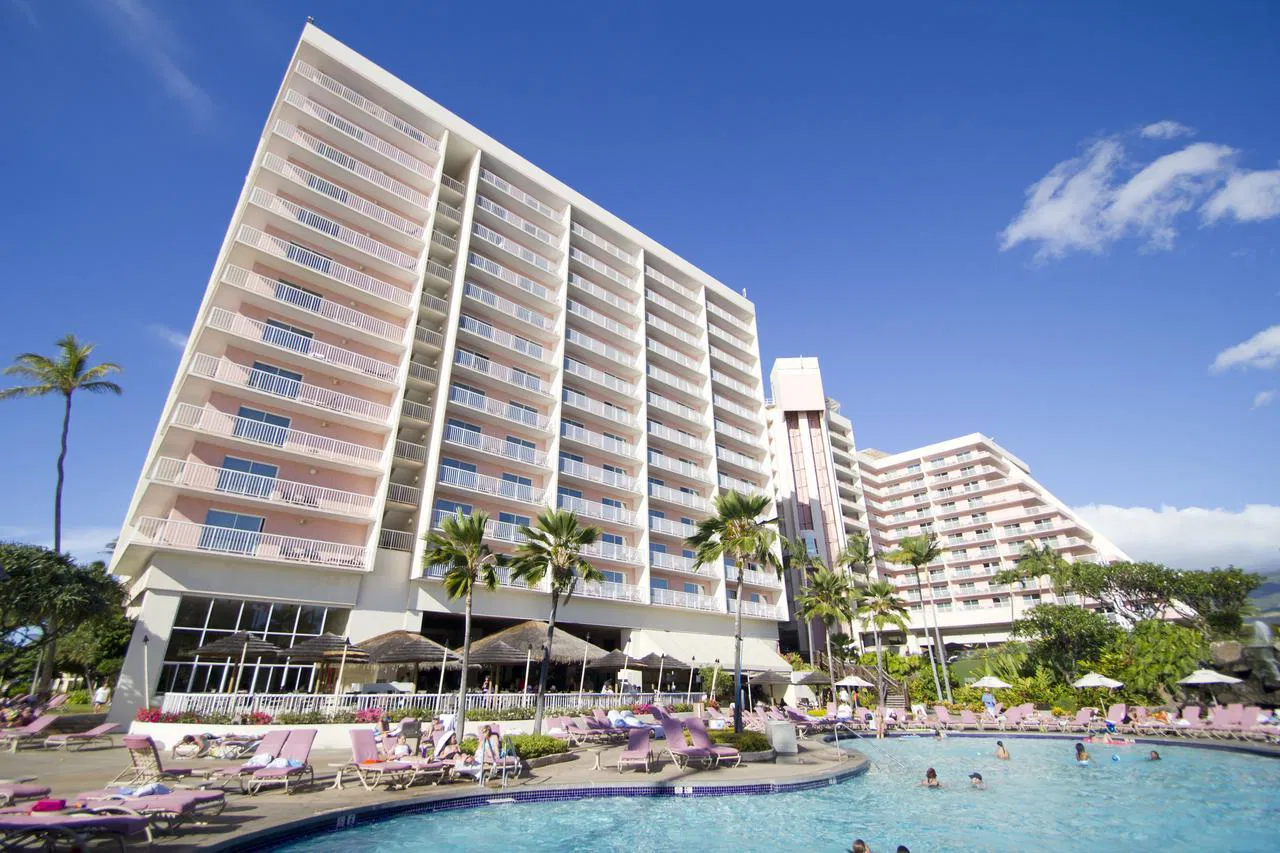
(527, 746)
(743, 742)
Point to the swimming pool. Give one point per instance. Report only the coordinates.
(1194, 800)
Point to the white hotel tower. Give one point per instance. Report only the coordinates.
(407, 319)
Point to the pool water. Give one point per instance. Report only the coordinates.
(1193, 800)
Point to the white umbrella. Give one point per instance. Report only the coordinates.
(1095, 680)
(990, 682)
(1208, 676)
(853, 681)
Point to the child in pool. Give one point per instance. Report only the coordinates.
(931, 779)
(1082, 755)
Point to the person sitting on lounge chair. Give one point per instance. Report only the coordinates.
(487, 746)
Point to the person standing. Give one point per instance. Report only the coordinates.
(101, 697)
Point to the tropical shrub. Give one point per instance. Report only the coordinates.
(78, 697)
(305, 718)
(527, 747)
(742, 741)
(369, 715)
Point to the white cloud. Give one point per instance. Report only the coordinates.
(1262, 350)
(173, 338)
(1192, 537)
(1166, 130)
(1264, 398)
(153, 41)
(1246, 197)
(84, 543)
(1149, 202)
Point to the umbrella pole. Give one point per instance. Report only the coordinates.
(657, 688)
(342, 666)
(440, 686)
(244, 650)
(528, 658)
(714, 678)
(690, 690)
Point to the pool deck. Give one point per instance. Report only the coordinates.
(250, 822)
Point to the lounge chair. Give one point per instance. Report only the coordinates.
(682, 755)
(69, 830)
(639, 751)
(485, 762)
(425, 767)
(803, 722)
(11, 792)
(265, 752)
(1116, 714)
(82, 739)
(167, 812)
(1080, 723)
(370, 767)
(291, 765)
(1190, 724)
(145, 765)
(702, 740)
(943, 716)
(968, 720)
(32, 731)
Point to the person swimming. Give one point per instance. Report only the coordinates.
(931, 779)
(1153, 756)
(1001, 752)
(1082, 755)
(975, 779)
(859, 846)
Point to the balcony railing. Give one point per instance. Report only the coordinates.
(410, 451)
(676, 437)
(501, 337)
(607, 323)
(678, 466)
(597, 440)
(733, 319)
(610, 591)
(736, 363)
(418, 411)
(484, 484)
(529, 201)
(611, 551)
(207, 478)
(742, 461)
(760, 609)
(278, 247)
(596, 474)
(443, 272)
(661, 403)
(754, 577)
(676, 496)
(514, 279)
(595, 407)
(598, 266)
(318, 306)
(600, 242)
(511, 247)
(357, 133)
(395, 540)
(334, 230)
(681, 312)
(506, 306)
(733, 484)
(675, 355)
(430, 337)
(362, 103)
(514, 220)
(214, 422)
(277, 338)
(656, 322)
(355, 203)
(498, 408)
(672, 284)
(599, 377)
(595, 509)
(587, 342)
(187, 536)
(442, 239)
(671, 527)
(423, 372)
(734, 409)
(501, 372)
(493, 445)
(737, 434)
(448, 211)
(688, 600)
(233, 373)
(668, 378)
(503, 531)
(402, 494)
(318, 146)
(728, 338)
(453, 183)
(681, 564)
(606, 296)
(732, 384)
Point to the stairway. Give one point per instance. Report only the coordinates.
(895, 699)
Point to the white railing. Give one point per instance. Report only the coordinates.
(681, 564)
(233, 373)
(599, 266)
(733, 484)
(442, 239)
(587, 342)
(362, 103)
(736, 364)
(677, 466)
(611, 551)
(496, 407)
(279, 247)
(295, 297)
(430, 337)
(599, 377)
(246, 327)
(441, 271)
(343, 196)
(504, 531)
(596, 407)
(448, 211)
(395, 540)
(207, 478)
(501, 337)
(759, 609)
(687, 600)
(506, 306)
(660, 300)
(596, 240)
(742, 461)
(717, 311)
(734, 340)
(732, 384)
(403, 494)
(735, 433)
(598, 441)
(492, 445)
(735, 409)
(597, 474)
(514, 279)
(318, 146)
(484, 484)
(214, 422)
(609, 590)
(359, 134)
(331, 229)
(754, 577)
(511, 247)
(676, 437)
(674, 355)
(432, 302)
(676, 496)
(418, 411)
(186, 536)
(606, 296)
(392, 704)
(693, 338)
(671, 527)
(525, 226)
(657, 401)
(595, 509)
(453, 184)
(607, 323)
(501, 372)
(529, 201)
(409, 450)
(669, 378)
(672, 284)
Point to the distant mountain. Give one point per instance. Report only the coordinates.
(1266, 598)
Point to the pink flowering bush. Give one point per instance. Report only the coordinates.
(258, 718)
(369, 715)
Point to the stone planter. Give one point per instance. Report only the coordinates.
(759, 757)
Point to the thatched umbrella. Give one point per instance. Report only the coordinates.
(496, 653)
(770, 678)
(241, 643)
(613, 660)
(410, 647)
(661, 663)
(327, 648)
(813, 677)
(565, 647)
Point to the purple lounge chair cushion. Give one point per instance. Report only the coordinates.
(157, 802)
(118, 824)
(22, 791)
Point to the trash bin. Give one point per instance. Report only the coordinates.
(782, 737)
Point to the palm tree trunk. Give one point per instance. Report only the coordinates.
(546, 665)
(57, 493)
(875, 629)
(933, 664)
(942, 650)
(737, 654)
(466, 658)
(831, 666)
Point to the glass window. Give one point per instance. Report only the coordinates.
(260, 426)
(691, 587)
(657, 548)
(246, 477)
(512, 518)
(284, 618)
(285, 335)
(567, 492)
(459, 465)
(657, 583)
(192, 612)
(232, 532)
(253, 616)
(612, 539)
(225, 614)
(449, 507)
(610, 576)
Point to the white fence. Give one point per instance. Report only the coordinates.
(301, 703)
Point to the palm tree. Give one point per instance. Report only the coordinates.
(460, 547)
(918, 552)
(829, 599)
(879, 606)
(798, 557)
(737, 531)
(553, 546)
(857, 558)
(64, 374)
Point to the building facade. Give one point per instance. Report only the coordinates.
(407, 320)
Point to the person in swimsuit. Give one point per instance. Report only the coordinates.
(1082, 755)
(1154, 756)
(931, 779)
(1001, 752)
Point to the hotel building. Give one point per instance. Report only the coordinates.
(405, 320)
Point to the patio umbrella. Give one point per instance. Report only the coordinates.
(495, 653)
(990, 682)
(1093, 679)
(813, 676)
(770, 678)
(853, 681)
(613, 660)
(1206, 677)
(661, 663)
(565, 647)
(410, 647)
(242, 643)
(328, 647)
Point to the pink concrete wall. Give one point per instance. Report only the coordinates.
(193, 509)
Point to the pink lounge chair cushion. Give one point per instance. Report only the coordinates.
(91, 734)
(22, 791)
(155, 802)
(121, 824)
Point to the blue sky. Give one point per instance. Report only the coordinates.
(863, 172)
